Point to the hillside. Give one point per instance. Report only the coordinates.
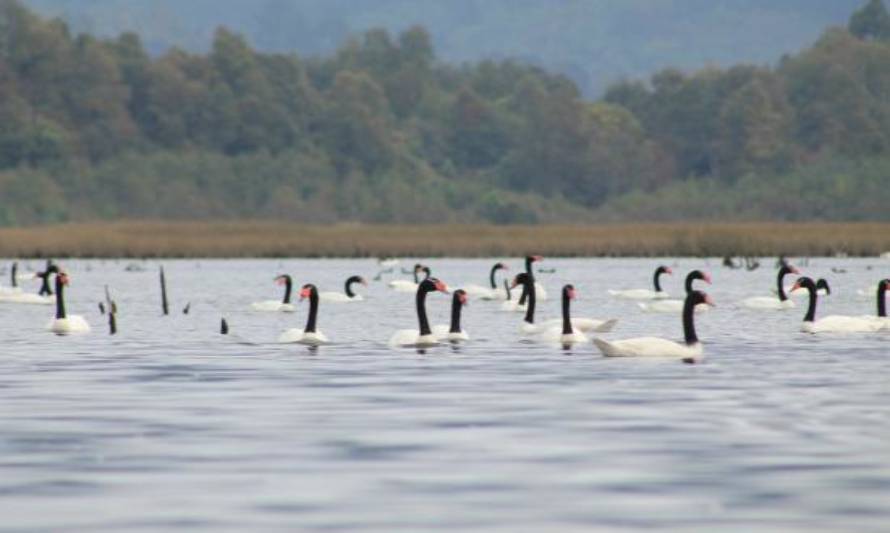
(594, 42)
(383, 131)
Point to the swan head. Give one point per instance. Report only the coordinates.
(822, 283)
(283, 279)
(804, 283)
(357, 279)
(699, 275)
(520, 279)
(664, 270)
(63, 277)
(790, 269)
(700, 297)
(501, 266)
(433, 285)
(569, 292)
(461, 296)
(307, 291)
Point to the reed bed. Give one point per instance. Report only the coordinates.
(271, 239)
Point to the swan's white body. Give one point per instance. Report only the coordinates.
(411, 338)
(801, 294)
(72, 324)
(513, 306)
(9, 290)
(298, 336)
(273, 306)
(844, 324)
(555, 335)
(640, 294)
(403, 285)
(650, 347)
(493, 295)
(582, 324)
(339, 297)
(26, 298)
(443, 333)
(482, 293)
(669, 306)
(767, 302)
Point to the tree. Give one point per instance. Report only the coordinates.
(872, 22)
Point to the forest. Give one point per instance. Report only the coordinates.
(381, 131)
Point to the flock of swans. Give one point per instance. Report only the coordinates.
(567, 330)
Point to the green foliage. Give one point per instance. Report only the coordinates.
(382, 132)
(871, 22)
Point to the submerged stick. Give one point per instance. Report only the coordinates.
(223, 327)
(165, 305)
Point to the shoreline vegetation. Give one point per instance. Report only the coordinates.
(155, 239)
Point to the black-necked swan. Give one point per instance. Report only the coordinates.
(690, 350)
(63, 323)
(832, 323)
(284, 305)
(774, 302)
(492, 292)
(404, 285)
(310, 335)
(348, 295)
(422, 337)
(822, 289)
(675, 306)
(44, 297)
(13, 288)
(453, 332)
(565, 333)
(646, 294)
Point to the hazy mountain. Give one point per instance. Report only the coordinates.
(596, 42)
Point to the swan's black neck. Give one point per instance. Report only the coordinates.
(288, 289)
(566, 316)
(811, 308)
(530, 292)
(424, 323)
(882, 301)
(656, 279)
(60, 298)
(15, 270)
(507, 288)
(456, 304)
(494, 269)
(313, 311)
(531, 276)
(689, 334)
(780, 282)
(416, 277)
(349, 283)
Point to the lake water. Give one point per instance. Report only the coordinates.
(171, 425)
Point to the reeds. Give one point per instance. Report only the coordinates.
(271, 239)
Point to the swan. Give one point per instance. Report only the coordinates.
(310, 335)
(488, 293)
(833, 323)
(453, 332)
(566, 333)
(772, 302)
(646, 294)
(347, 295)
(45, 289)
(528, 326)
(16, 296)
(422, 338)
(690, 350)
(676, 306)
(14, 282)
(274, 305)
(540, 293)
(63, 323)
(404, 285)
(509, 304)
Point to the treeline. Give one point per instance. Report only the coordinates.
(383, 132)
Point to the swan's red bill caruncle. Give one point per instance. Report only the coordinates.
(440, 286)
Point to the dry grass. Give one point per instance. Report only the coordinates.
(270, 239)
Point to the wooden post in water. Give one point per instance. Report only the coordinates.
(165, 305)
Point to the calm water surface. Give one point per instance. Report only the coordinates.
(170, 425)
